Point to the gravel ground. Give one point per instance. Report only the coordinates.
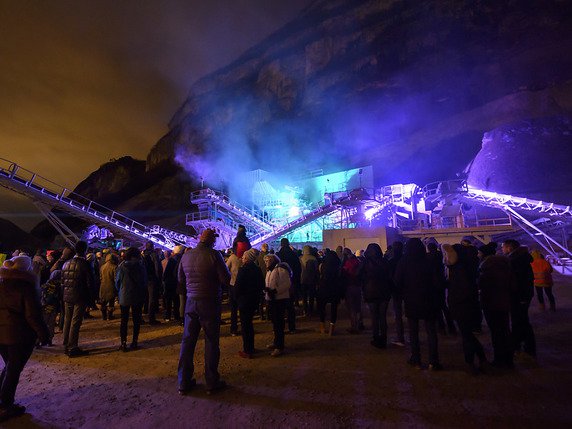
(321, 381)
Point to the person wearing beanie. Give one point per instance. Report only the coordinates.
(249, 285)
(264, 250)
(51, 293)
(204, 273)
(290, 257)
(21, 323)
(278, 283)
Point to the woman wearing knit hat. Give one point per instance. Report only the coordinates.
(21, 323)
(249, 285)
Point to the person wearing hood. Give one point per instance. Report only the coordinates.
(377, 285)
(417, 281)
(463, 302)
(277, 287)
(496, 285)
(520, 263)
(329, 290)
(107, 293)
(290, 257)
(396, 296)
(308, 279)
(543, 282)
(241, 243)
(21, 323)
(131, 285)
(249, 285)
(351, 281)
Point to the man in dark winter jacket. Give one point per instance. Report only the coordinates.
(204, 272)
(520, 261)
(154, 276)
(78, 284)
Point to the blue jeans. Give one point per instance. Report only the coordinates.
(205, 314)
(431, 329)
(378, 311)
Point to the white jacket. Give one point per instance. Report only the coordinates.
(280, 280)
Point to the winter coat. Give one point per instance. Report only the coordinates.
(153, 266)
(204, 272)
(376, 280)
(520, 261)
(107, 275)
(181, 286)
(542, 272)
(233, 263)
(51, 293)
(463, 297)
(286, 254)
(249, 284)
(261, 264)
(21, 320)
(309, 264)
(329, 286)
(279, 279)
(496, 283)
(417, 281)
(78, 281)
(131, 283)
(170, 275)
(351, 273)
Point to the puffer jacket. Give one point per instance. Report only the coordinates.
(21, 319)
(77, 280)
(310, 274)
(131, 282)
(107, 275)
(280, 280)
(204, 272)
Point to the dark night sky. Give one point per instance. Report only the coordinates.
(83, 82)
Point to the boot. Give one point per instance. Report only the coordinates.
(322, 328)
(123, 346)
(104, 312)
(331, 330)
(110, 314)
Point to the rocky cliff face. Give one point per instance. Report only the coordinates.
(408, 86)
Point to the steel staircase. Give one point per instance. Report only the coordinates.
(48, 195)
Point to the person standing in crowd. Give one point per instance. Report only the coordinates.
(543, 282)
(131, 284)
(289, 256)
(21, 323)
(416, 280)
(78, 284)
(396, 296)
(233, 264)
(377, 286)
(277, 286)
(107, 292)
(50, 298)
(464, 302)
(443, 317)
(178, 252)
(329, 290)
(154, 276)
(264, 250)
(308, 279)
(241, 243)
(249, 285)
(497, 284)
(204, 272)
(351, 281)
(170, 296)
(65, 255)
(520, 263)
(40, 266)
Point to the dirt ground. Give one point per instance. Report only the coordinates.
(339, 381)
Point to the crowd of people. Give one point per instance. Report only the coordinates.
(451, 288)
